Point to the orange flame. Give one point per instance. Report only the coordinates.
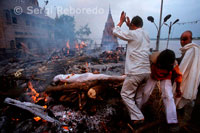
(35, 96)
(45, 97)
(45, 106)
(67, 44)
(66, 128)
(37, 118)
(33, 93)
(44, 120)
(77, 46)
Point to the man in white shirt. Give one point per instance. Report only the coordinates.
(137, 66)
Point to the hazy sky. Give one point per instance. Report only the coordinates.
(95, 12)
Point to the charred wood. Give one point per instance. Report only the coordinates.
(33, 108)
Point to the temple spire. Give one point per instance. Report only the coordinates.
(56, 13)
(109, 9)
(109, 41)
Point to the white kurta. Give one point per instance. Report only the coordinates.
(190, 68)
(137, 68)
(137, 55)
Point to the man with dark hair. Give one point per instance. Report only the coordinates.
(137, 21)
(163, 67)
(137, 67)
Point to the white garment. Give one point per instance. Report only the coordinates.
(85, 77)
(137, 55)
(167, 96)
(190, 68)
(131, 94)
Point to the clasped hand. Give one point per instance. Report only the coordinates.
(123, 19)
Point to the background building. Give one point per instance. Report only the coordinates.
(109, 41)
(34, 30)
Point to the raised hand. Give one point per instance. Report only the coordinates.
(123, 17)
(128, 22)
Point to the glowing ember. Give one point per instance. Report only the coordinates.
(37, 118)
(35, 96)
(66, 128)
(45, 106)
(15, 119)
(44, 121)
(45, 97)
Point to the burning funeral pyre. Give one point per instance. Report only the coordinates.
(34, 99)
(76, 93)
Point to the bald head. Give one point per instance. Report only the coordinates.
(186, 38)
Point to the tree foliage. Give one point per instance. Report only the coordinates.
(83, 34)
(65, 30)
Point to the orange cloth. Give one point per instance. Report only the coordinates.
(161, 74)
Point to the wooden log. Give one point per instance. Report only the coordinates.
(96, 91)
(81, 86)
(75, 86)
(69, 98)
(70, 87)
(78, 91)
(80, 102)
(34, 109)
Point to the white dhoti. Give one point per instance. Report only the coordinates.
(167, 96)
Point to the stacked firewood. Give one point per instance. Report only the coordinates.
(78, 89)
